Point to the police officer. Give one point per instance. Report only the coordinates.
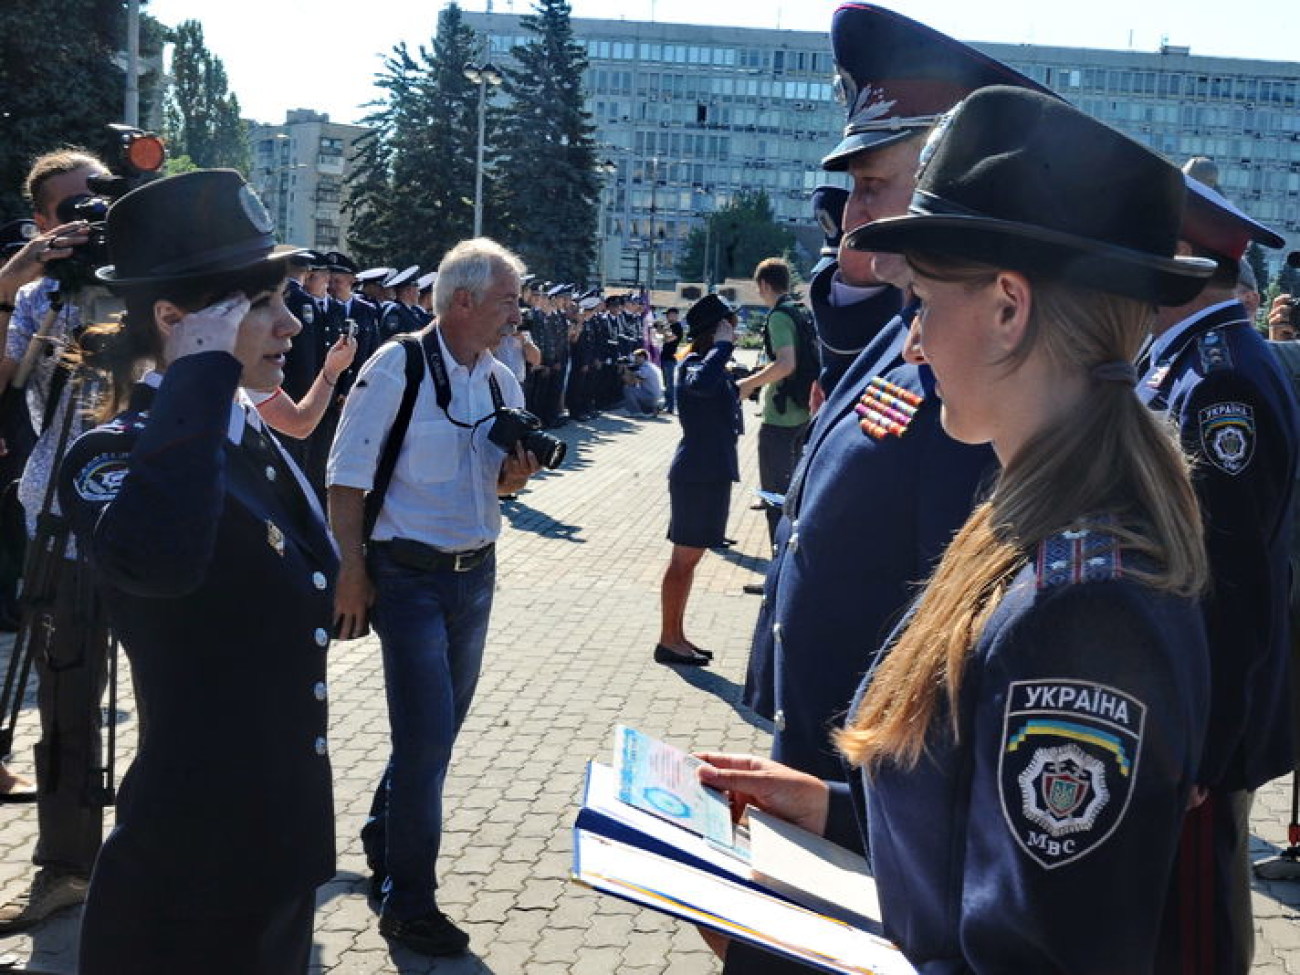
(847, 558)
(400, 315)
(828, 204)
(218, 572)
(424, 300)
(1029, 742)
(1212, 373)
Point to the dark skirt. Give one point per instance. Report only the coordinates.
(698, 516)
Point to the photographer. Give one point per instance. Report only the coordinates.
(68, 640)
(216, 569)
(425, 564)
(643, 385)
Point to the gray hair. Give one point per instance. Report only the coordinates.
(472, 265)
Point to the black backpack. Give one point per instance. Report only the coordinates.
(796, 387)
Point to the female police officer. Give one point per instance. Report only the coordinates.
(217, 571)
(1030, 736)
(702, 470)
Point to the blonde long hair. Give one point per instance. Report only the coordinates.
(1113, 458)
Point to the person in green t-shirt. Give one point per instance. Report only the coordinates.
(785, 409)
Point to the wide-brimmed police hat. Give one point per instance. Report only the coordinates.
(1212, 223)
(1018, 180)
(705, 314)
(405, 276)
(897, 77)
(192, 225)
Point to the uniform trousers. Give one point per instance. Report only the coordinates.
(1208, 926)
(70, 649)
(778, 452)
(433, 626)
(129, 928)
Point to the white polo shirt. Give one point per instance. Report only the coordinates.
(444, 488)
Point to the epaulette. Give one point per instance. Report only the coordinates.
(1214, 351)
(1083, 555)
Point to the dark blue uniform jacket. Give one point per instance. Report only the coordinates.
(1237, 417)
(1041, 838)
(709, 409)
(222, 597)
(865, 522)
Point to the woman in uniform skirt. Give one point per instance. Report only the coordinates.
(1028, 739)
(218, 572)
(702, 470)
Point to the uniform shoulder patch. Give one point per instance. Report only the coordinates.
(1214, 351)
(1228, 435)
(100, 478)
(1082, 555)
(1068, 766)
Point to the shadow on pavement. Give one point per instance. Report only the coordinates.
(727, 691)
(528, 519)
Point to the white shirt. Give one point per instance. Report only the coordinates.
(652, 380)
(444, 487)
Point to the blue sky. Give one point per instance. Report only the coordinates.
(324, 55)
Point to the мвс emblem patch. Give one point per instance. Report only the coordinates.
(1228, 436)
(1068, 765)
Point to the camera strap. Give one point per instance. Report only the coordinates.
(442, 384)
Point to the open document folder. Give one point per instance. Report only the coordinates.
(775, 886)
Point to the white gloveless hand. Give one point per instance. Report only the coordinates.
(211, 329)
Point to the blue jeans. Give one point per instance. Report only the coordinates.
(432, 626)
(668, 365)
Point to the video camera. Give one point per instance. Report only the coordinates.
(140, 156)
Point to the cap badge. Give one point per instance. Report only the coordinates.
(254, 210)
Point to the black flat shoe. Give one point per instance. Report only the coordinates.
(706, 654)
(665, 656)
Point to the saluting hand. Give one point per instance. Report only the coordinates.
(211, 329)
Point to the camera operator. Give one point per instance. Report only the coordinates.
(643, 384)
(69, 641)
(424, 562)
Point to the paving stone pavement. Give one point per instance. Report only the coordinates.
(568, 657)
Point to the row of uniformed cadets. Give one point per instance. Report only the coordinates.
(582, 337)
(872, 506)
(331, 297)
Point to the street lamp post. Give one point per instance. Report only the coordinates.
(483, 76)
(604, 169)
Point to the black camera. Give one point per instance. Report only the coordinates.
(513, 425)
(140, 157)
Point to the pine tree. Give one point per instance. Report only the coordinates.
(201, 114)
(546, 190)
(412, 186)
(60, 83)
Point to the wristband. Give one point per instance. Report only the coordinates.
(328, 381)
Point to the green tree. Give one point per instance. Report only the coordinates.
(737, 237)
(60, 83)
(201, 117)
(546, 191)
(412, 186)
